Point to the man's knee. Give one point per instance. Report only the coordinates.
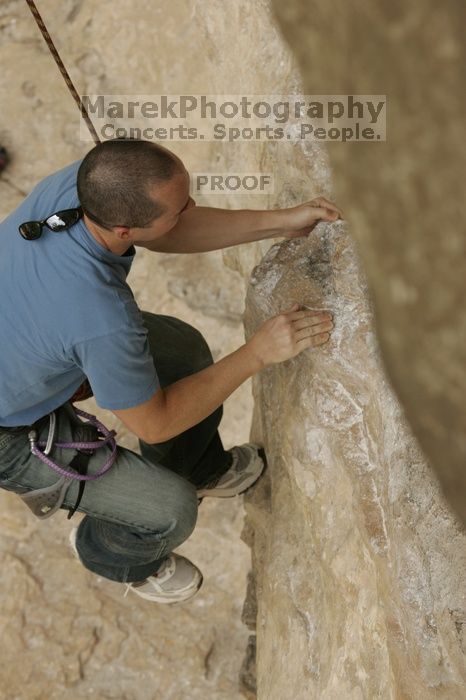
(171, 521)
(183, 512)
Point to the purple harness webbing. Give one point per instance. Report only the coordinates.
(109, 437)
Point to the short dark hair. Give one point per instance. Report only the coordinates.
(114, 179)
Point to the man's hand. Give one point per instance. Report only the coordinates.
(286, 335)
(301, 220)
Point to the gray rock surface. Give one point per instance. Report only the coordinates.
(357, 583)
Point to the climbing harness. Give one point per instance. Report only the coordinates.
(48, 40)
(46, 501)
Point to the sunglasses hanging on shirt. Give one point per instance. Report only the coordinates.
(60, 221)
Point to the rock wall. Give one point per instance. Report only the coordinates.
(404, 198)
(358, 582)
(358, 562)
(349, 532)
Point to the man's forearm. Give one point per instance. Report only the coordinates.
(201, 229)
(191, 399)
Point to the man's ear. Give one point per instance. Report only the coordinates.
(122, 232)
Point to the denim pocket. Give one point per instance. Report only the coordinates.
(6, 436)
(15, 459)
(12, 443)
(9, 485)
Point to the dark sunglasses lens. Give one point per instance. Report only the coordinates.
(31, 230)
(63, 219)
(58, 221)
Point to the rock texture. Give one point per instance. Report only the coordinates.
(357, 578)
(404, 197)
(359, 564)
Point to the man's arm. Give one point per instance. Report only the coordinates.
(188, 401)
(200, 229)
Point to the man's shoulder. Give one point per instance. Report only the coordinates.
(54, 192)
(59, 186)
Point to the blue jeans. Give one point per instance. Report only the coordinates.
(144, 506)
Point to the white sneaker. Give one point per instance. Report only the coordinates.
(248, 463)
(176, 581)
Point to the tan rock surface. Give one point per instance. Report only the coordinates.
(357, 559)
(359, 562)
(404, 198)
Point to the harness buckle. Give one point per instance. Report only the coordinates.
(32, 437)
(86, 439)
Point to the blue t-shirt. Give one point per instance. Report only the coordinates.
(67, 313)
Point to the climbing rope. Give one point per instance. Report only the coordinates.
(63, 71)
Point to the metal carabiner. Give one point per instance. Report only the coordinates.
(32, 435)
(51, 435)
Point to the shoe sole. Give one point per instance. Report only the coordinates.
(231, 492)
(175, 599)
(72, 541)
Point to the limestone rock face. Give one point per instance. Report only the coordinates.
(405, 197)
(357, 560)
(359, 563)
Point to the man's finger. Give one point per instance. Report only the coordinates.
(324, 214)
(292, 309)
(313, 322)
(297, 315)
(312, 341)
(323, 202)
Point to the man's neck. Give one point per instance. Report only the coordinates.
(105, 238)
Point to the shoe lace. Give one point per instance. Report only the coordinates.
(168, 562)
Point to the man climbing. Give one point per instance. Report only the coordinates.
(69, 323)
